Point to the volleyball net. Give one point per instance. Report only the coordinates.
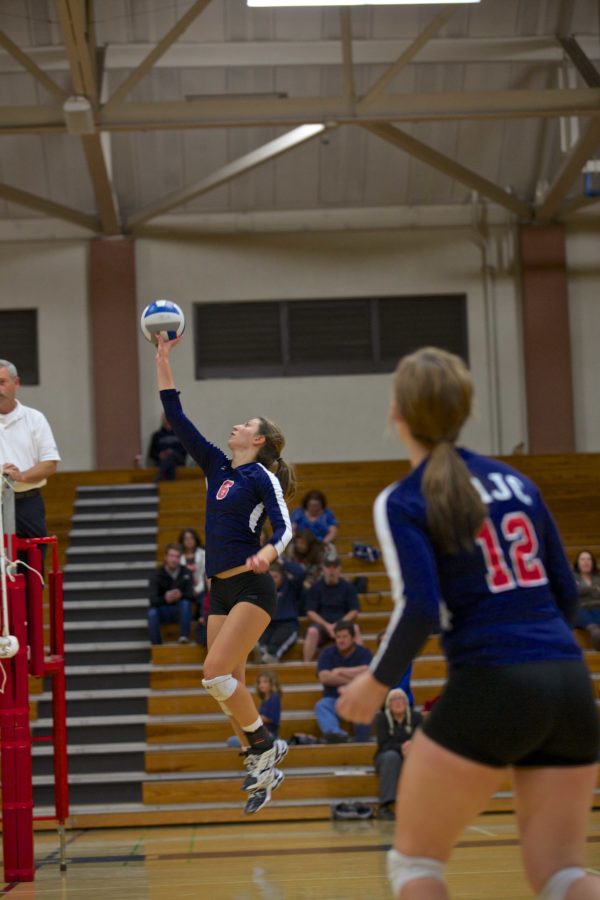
(28, 646)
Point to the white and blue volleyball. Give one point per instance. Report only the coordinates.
(162, 317)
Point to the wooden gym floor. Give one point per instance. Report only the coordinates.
(269, 861)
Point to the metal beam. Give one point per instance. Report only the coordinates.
(234, 169)
(25, 60)
(236, 112)
(346, 34)
(241, 54)
(408, 55)
(222, 112)
(33, 201)
(569, 171)
(72, 16)
(157, 51)
(450, 167)
(581, 61)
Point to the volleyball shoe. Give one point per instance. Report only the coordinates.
(261, 796)
(261, 765)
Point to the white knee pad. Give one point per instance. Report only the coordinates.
(401, 869)
(556, 887)
(221, 688)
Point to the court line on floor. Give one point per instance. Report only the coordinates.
(46, 861)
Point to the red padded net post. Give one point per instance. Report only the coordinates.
(17, 796)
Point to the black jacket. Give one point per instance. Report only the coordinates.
(161, 582)
(400, 734)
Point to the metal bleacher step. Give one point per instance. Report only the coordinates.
(103, 625)
(84, 610)
(142, 515)
(226, 774)
(112, 532)
(115, 549)
(106, 652)
(116, 501)
(117, 567)
(142, 488)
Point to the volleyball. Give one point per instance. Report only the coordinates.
(162, 317)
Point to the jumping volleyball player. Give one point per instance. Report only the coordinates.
(241, 492)
(469, 544)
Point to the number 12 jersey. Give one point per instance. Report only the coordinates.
(511, 599)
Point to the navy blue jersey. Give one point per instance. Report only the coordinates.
(331, 658)
(511, 600)
(237, 499)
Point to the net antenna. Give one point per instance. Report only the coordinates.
(9, 645)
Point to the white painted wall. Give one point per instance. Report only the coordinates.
(583, 260)
(324, 418)
(330, 418)
(52, 277)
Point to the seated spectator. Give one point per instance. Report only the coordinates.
(166, 452)
(332, 599)
(269, 691)
(171, 596)
(282, 631)
(339, 665)
(588, 585)
(193, 558)
(307, 551)
(314, 515)
(404, 683)
(394, 727)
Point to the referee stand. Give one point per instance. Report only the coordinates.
(23, 653)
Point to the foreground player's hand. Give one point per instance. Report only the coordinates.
(258, 564)
(361, 699)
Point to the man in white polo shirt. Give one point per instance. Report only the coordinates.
(28, 453)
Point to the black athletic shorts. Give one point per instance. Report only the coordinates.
(247, 586)
(531, 714)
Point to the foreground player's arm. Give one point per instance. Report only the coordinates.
(559, 572)
(410, 564)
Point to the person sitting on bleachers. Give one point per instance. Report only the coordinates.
(338, 665)
(331, 599)
(316, 516)
(282, 631)
(269, 693)
(394, 727)
(166, 451)
(587, 578)
(307, 551)
(404, 682)
(171, 596)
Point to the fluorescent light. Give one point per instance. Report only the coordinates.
(284, 3)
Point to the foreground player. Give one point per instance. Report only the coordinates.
(240, 493)
(476, 533)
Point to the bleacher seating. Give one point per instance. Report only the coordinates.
(189, 774)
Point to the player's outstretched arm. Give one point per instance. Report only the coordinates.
(164, 373)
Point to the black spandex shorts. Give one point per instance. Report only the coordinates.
(531, 714)
(247, 586)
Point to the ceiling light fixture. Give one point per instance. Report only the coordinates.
(284, 3)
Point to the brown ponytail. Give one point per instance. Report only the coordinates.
(433, 393)
(269, 456)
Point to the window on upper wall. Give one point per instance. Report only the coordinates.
(19, 342)
(356, 335)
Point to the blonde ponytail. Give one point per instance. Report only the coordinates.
(455, 511)
(433, 394)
